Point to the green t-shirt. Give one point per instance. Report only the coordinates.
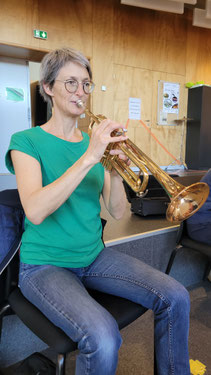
(70, 236)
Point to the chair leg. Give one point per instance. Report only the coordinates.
(155, 363)
(3, 309)
(172, 257)
(60, 366)
(155, 359)
(1, 318)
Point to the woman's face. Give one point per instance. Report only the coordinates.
(65, 101)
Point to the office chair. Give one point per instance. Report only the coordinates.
(13, 301)
(183, 240)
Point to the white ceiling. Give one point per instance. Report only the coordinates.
(201, 8)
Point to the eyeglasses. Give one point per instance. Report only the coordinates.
(72, 85)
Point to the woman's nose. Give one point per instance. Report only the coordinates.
(80, 89)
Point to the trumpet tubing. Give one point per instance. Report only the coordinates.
(184, 201)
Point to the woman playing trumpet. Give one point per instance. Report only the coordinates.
(60, 180)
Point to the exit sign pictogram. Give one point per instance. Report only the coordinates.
(40, 34)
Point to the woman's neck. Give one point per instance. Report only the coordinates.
(64, 128)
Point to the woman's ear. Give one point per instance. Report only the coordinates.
(47, 89)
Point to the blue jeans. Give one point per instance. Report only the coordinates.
(60, 293)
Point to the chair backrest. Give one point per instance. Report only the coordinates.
(184, 240)
(11, 226)
(11, 229)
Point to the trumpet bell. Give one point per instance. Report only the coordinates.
(187, 202)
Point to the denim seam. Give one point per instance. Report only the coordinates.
(133, 282)
(88, 365)
(171, 360)
(87, 360)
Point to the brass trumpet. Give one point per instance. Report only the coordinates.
(184, 201)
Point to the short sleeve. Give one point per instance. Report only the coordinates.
(20, 141)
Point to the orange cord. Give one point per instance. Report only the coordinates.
(127, 123)
(149, 131)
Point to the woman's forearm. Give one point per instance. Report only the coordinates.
(39, 202)
(114, 195)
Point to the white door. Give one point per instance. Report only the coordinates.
(15, 111)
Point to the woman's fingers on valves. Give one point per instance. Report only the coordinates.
(109, 126)
(102, 136)
(121, 155)
(121, 132)
(105, 129)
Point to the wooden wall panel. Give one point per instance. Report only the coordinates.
(17, 20)
(102, 57)
(153, 40)
(171, 140)
(135, 83)
(169, 43)
(168, 57)
(141, 83)
(133, 35)
(68, 23)
(130, 49)
(198, 54)
(142, 139)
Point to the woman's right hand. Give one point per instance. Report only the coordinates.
(101, 137)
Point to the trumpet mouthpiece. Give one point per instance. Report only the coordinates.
(79, 103)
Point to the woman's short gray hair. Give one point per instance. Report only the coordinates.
(53, 62)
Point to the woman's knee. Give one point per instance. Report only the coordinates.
(109, 345)
(99, 349)
(180, 301)
(174, 296)
(104, 339)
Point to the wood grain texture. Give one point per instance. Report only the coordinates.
(68, 23)
(169, 43)
(130, 50)
(133, 36)
(17, 20)
(102, 57)
(134, 83)
(198, 54)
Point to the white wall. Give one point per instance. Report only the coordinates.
(15, 109)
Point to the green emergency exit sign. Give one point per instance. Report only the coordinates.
(40, 34)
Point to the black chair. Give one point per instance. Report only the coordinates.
(183, 240)
(13, 301)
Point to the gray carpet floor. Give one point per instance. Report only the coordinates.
(136, 353)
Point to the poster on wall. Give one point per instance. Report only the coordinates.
(171, 97)
(134, 109)
(14, 94)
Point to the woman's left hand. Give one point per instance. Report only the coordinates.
(121, 156)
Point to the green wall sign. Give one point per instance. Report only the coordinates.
(40, 34)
